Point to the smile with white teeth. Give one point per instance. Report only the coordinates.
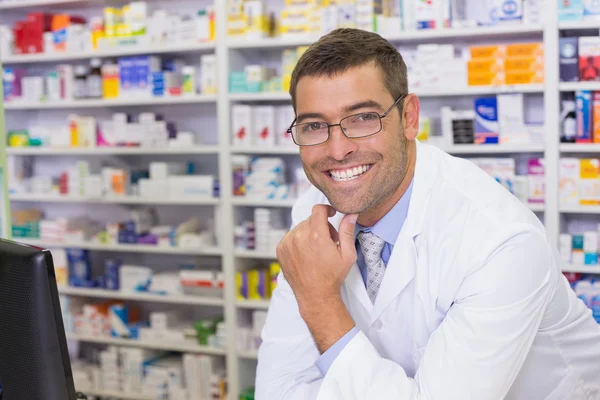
(348, 174)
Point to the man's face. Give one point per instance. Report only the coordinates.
(377, 163)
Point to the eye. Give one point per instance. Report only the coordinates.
(312, 127)
(366, 117)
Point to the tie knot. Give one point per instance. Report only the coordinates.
(371, 246)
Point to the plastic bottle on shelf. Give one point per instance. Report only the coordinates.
(94, 79)
(80, 82)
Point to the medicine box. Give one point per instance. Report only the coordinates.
(571, 10)
(583, 113)
(589, 184)
(191, 185)
(589, 58)
(263, 132)
(591, 10)
(283, 119)
(511, 124)
(524, 49)
(486, 120)
(487, 52)
(486, 79)
(569, 181)
(569, 59)
(524, 77)
(241, 121)
(565, 247)
(536, 181)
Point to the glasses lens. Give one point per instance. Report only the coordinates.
(310, 133)
(363, 124)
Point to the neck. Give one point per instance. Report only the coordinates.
(376, 213)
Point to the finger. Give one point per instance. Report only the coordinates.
(330, 211)
(319, 222)
(333, 233)
(346, 236)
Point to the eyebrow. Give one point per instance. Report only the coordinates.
(346, 109)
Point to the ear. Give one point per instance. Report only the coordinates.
(410, 116)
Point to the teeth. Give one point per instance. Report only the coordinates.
(349, 174)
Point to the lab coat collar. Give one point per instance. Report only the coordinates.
(402, 264)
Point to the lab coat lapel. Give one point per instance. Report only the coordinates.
(401, 266)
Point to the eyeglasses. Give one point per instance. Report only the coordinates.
(354, 126)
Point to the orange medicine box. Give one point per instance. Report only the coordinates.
(485, 79)
(524, 64)
(524, 78)
(487, 51)
(485, 65)
(525, 49)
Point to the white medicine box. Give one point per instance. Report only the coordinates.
(263, 121)
(241, 123)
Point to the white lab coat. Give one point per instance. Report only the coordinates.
(472, 306)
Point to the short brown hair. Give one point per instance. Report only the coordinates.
(345, 48)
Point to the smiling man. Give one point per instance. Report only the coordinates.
(410, 274)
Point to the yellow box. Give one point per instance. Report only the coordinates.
(241, 285)
(237, 25)
(589, 184)
(487, 51)
(484, 65)
(485, 79)
(524, 77)
(525, 49)
(274, 271)
(524, 64)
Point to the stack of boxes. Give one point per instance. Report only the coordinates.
(510, 64)
(263, 234)
(109, 369)
(423, 67)
(578, 11)
(249, 337)
(580, 118)
(261, 178)
(579, 249)
(257, 283)
(579, 181)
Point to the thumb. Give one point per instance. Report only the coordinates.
(346, 235)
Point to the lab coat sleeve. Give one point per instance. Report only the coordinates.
(480, 346)
(286, 358)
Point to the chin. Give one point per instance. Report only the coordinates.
(346, 207)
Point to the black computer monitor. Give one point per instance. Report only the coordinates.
(34, 359)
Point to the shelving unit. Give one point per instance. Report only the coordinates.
(128, 248)
(145, 297)
(178, 347)
(103, 151)
(227, 51)
(32, 197)
(109, 53)
(119, 395)
(584, 269)
(79, 104)
(579, 147)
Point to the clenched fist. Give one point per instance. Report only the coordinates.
(315, 258)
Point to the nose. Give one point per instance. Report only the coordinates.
(340, 146)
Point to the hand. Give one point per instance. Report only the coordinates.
(312, 262)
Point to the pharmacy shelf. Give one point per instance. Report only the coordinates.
(494, 148)
(463, 91)
(130, 50)
(248, 354)
(260, 96)
(261, 255)
(417, 35)
(579, 147)
(506, 31)
(584, 269)
(146, 297)
(253, 304)
(183, 348)
(88, 103)
(579, 25)
(480, 90)
(536, 207)
(125, 248)
(117, 395)
(574, 86)
(265, 150)
(31, 197)
(579, 209)
(100, 151)
(249, 202)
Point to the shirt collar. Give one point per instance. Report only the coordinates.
(388, 228)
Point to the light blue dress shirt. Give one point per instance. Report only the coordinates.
(388, 229)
